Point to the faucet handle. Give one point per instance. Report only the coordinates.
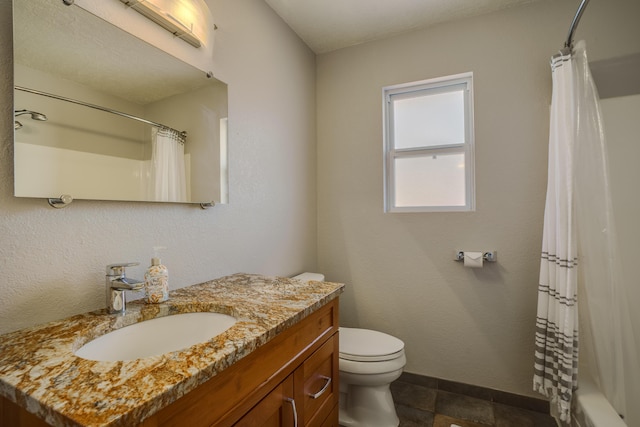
(118, 269)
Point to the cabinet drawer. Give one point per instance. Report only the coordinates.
(273, 410)
(319, 376)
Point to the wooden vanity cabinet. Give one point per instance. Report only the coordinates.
(299, 366)
(308, 394)
(300, 363)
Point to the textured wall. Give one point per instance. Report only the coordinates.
(52, 261)
(469, 325)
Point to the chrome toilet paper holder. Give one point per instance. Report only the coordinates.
(489, 256)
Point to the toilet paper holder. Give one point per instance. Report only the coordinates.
(489, 256)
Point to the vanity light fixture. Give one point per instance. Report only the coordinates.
(186, 19)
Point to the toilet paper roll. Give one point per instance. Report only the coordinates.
(473, 259)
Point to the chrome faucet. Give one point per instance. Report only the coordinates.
(116, 285)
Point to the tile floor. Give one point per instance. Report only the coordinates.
(430, 402)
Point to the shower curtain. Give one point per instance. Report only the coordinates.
(556, 343)
(579, 261)
(167, 178)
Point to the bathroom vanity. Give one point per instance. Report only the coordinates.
(277, 364)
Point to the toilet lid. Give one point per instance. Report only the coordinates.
(367, 345)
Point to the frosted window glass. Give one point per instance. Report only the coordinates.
(429, 120)
(429, 145)
(434, 180)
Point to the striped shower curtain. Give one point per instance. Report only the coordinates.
(556, 340)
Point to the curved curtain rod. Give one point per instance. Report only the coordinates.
(98, 107)
(574, 24)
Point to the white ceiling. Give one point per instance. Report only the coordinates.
(326, 25)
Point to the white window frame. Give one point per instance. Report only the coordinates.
(431, 86)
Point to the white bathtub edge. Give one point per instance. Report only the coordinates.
(592, 408)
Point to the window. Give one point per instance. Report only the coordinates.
(428, 144)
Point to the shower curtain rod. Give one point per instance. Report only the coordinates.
(574, 24)
(98, 107)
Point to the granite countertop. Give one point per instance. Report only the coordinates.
(39, 371)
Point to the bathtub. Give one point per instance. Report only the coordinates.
(592, 409)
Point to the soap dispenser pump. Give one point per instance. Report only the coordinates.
(156, 282)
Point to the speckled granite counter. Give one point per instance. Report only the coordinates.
(38, 369)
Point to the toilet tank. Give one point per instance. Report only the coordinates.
(306, 277)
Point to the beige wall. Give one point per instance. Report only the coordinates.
(52, 262)
(469, 325)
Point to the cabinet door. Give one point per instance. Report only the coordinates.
(276, 409)
(332, 420)
(318, 376)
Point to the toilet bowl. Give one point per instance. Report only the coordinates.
(368, 362)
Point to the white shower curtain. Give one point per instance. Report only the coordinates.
(604, 320)
(556, 344)
(167, 178)
(579, 220)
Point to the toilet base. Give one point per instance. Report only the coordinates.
(368, 406)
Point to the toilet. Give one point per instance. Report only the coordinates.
(369, 361)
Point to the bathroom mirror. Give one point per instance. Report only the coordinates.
(81, 87)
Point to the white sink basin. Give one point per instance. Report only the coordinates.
(156, 336)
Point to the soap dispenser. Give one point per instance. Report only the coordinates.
(156, 282)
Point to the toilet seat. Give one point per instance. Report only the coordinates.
(365, 345)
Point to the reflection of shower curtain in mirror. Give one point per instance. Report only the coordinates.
(167, 181)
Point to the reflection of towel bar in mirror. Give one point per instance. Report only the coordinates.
(98, 107)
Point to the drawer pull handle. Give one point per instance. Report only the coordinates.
(295, 412)
(321, 392)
